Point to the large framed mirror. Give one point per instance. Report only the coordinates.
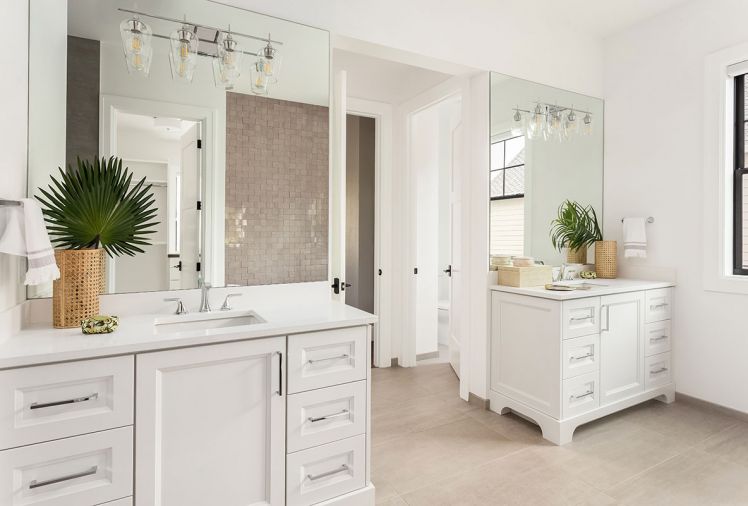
(224, 112)
(546, 148)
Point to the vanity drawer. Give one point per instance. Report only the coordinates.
(54, 401)
(580, 394)
(657, 371)
(324, 415)
(125, 501)
(77, 471)
(659, 304)
(581, 355)
(326, 471)
(581, 317)
(321, 359)
(657, 337)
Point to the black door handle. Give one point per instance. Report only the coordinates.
(336, 286)
(345, 285)
(178, 266)
(448, 270)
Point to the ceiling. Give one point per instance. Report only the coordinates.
(147, 124)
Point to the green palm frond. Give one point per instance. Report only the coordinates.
(98, 206)
(575, 226)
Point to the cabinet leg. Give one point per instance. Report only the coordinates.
(667, 397)
(557, 433)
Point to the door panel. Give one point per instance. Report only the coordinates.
(621, 346)
(338, 185)
(211, 425)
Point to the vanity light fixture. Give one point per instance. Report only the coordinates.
(227, 64)
(136, 43)
(587, 124)
(552, 121)
(183, 54)
(270, 60)
(260, 80)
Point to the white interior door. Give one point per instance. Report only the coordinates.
(456, 270)
(339, 111)
(189, 215)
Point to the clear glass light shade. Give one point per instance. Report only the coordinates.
(571, 123)
(228, 63)
(136, 43)
(183, 54)
(269, 60)
(260, 80)
(587, 124)
(518, 123)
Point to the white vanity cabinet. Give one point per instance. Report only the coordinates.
(563, 359)
(268, 420)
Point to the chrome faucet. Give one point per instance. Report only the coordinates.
(204, 299)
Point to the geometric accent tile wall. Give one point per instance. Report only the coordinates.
(276, 191)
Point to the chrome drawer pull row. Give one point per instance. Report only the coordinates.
(577, 397)
(342, 468)
(327, 417)
(88, 472)
(317, 360)
(581, 357)
(653, 307)
(656, 339)
(40, 405)
(658, 371)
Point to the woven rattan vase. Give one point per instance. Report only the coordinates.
(576, 256)
(75, 296)
(606, 261)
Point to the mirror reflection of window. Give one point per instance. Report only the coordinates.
(507, 194)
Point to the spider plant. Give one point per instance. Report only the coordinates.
(98, 206)
(575, 227)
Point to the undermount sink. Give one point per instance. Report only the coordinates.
(205, 321)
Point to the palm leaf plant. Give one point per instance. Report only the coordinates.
(575, 227)
(98, 206)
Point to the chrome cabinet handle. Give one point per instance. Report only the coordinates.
(658, 371)
(581, 357)
(582, 396)
(327, 417)
(342, 468)
(580, 318)
(607, 319)
(88, 472)
(40, 405)
(656, 339)
(317, 360)
(280, 374)
(652, 307)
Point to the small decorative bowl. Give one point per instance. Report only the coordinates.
(588, 275)
(100, 324)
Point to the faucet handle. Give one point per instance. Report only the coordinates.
(180, 306)
(226, 306)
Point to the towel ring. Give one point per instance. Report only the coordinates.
(649, 220)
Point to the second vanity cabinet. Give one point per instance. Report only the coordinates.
(271, 420)
(563, 361)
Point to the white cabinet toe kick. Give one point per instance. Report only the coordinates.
(184, 425)
(565, 362)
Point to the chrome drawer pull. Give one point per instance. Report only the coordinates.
(342, 468)
(653, 307)
(577, 397)
(658, 371)
(88, 472)
(317, 360)
(580, 318)
(581, 357)
(40, 405)
(327, 417)
(656, 339)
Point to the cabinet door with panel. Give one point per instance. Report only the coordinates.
(211, 425)
(621, 346)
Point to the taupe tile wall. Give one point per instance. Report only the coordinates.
(276, 191)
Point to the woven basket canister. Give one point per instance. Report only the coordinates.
(576, 256)
(606, 261)
(75, 296)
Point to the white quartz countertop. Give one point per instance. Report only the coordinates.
(598, 287)
(39, 344)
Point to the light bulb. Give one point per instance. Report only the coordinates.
(136, 44)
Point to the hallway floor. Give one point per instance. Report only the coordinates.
(431, 448)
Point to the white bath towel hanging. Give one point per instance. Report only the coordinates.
(635, 237)
(25, 234)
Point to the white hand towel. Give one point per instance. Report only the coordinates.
(25, 234)
(635, 237)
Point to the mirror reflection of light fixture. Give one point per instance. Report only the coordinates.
(269, 59)
(571, 124)
(587, 124)
(551, 121)
(183, 54)
(518, 124)
(260, 81)
(136, 42)
(227, 64)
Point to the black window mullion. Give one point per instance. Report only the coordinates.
(739, 171)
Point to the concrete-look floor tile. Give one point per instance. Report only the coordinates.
(688, 423)
(731, 444)
(510, 426)
(521, 478)
(410, 462)
(692, 478)
(395, 500)
(395, 390)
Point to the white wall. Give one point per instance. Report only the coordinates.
(518, 38)
(13, 104)
(654, 89)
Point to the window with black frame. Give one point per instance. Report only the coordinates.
(740, 182)
(508, 168)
